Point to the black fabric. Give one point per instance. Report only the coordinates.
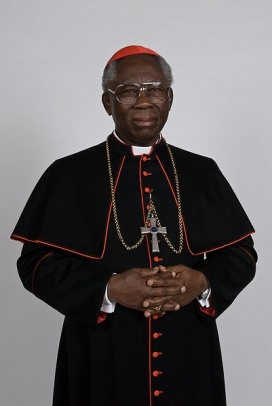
(64, 224)
(212, 214)
(108, 363)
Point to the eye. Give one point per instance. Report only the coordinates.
(155, 89)
(127, 90)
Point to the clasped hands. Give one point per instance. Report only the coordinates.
(158, 290)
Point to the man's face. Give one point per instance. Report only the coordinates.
(142, 122)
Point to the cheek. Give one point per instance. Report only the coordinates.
(119, 114)
(165, 112)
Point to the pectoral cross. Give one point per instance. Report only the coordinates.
(154, 230)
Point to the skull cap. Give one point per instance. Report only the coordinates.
(131, 50)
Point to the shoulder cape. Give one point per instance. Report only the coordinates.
(70, 206)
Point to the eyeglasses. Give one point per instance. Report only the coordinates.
(129, 93)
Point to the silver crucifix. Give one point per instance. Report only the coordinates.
(154, 230)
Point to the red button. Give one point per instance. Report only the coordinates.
(156, 316)
(157, 335)
(156, 373)
(148, 190)
(158, 259)
(147, 173)
(145, 158)
(158, 392)
(156, 354)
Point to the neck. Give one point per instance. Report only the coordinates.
(138, 145)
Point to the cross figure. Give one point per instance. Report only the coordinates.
(154, 230)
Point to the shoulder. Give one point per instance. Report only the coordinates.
(80, 162)
(83, 156)
(83, 165)
(198, 173)
(192, 161)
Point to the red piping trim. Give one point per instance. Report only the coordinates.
(149, 361)
(110, 209)
(248, 253)
(185, 231)
(215, 248)
(168, 180)
(141, 186)
(143, 209)
(35, 269)
(24, 239)
(150, 264)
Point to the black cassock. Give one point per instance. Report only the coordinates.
(71, 249)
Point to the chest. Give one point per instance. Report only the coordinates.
(135, 183)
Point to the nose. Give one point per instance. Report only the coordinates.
(143, 100)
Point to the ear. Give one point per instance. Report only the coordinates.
(106, 103)
(171, 97)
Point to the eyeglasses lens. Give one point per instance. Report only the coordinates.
(129, 94)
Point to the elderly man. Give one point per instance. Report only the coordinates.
(141, 245)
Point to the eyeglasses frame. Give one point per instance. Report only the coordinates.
(142, 87)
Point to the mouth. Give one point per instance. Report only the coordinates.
(144, 121)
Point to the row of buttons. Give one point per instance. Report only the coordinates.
(156, 335)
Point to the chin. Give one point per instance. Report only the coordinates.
(144, 140)
(147, 137)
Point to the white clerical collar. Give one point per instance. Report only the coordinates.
(136, 150)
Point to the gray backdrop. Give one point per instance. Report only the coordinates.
(52, 60)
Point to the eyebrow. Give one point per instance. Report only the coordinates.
(155, 82)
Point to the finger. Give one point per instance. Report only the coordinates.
(145, 272)
(164, 305)
(167, 290)
(171, 307)
(161, 279)
(153, 310)
(159, 304)
(146, 303)
(161, 309)
(156, 281)
(168, 293)
(155, 303)
(162, 268)
(167, 280)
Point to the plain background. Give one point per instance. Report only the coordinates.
(53, 55)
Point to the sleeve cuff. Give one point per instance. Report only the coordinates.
(203, 299)
(107, 305)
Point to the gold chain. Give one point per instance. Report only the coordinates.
(151, 211)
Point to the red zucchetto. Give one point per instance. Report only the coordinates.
(131, 50)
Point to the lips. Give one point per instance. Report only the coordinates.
(144, 121)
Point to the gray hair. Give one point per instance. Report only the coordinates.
(110, 72)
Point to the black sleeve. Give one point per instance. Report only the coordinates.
(73, 285)
(229, 270)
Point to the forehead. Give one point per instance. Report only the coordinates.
(139, 69)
